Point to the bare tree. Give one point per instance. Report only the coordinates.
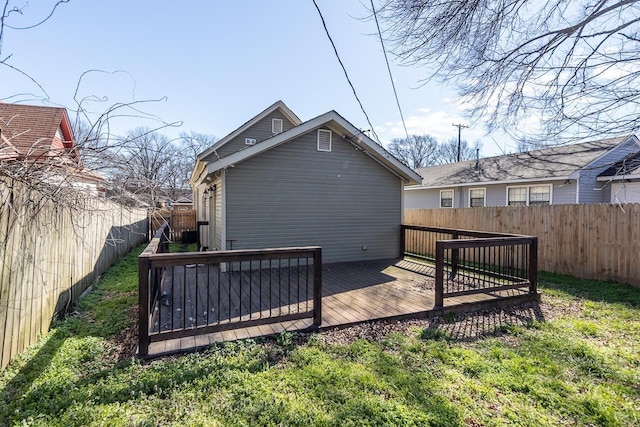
(448, 151)
(570, 65)
(417, 151)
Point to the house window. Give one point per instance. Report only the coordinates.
(446, 198)
(539, 195)
(276, 126)
(477, 197)
(324, 140)
(529, 196)
(517, 196)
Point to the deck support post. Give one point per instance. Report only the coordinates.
(533, 266)
(144, 265)
(402, 241)
(439, 287)
(317, 288)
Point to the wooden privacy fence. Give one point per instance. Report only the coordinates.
(178, 221)
(50, 254)
(189, 294)
(597, 241)
(472, 262)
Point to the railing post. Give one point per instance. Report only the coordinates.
(455, 257)
(402, 240)
(317, 288)
(439, 300)
(533, 265)
(143, 305)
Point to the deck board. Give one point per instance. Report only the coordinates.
(353, 292)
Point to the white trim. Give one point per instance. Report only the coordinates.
(223, 211)
(617, 178)
(453, 196)
(274, 126)
(401, 203)
(528, 189)
(484, 192)
(323, 131)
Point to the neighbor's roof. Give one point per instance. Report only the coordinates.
(31, 128)
(550, 163)
(337, 123)
(629, 166)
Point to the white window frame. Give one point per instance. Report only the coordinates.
(528, 190)
(453, 196)
(275, 125)
(324, 131)
(484, 196)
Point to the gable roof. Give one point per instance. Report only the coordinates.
(627, 167)
(335, 122)
(278, 105)
(31, 129)
(554, 163)
(36, 132)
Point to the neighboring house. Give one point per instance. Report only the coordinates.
(278, 182)
(560, 175)
(42, 138)
(184, 203)
(624, 179)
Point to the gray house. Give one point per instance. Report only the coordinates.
(276, 182)
(577, 173)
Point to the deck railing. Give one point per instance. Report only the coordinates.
(205, 292)
(470, 262)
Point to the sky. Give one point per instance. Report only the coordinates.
(212, 65)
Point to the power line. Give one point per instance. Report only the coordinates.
(335, 50)
(386, 59)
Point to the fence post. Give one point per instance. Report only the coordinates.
(317, 287)
(402, 240)
(439, 300)
(143, 305)
(533, 265)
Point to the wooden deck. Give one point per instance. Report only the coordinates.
(353, 292)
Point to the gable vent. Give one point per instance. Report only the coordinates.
(324, 140)
(250, 141)
(276, 125)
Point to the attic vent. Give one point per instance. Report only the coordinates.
(324, 140)
(276, 126)
(250, 141)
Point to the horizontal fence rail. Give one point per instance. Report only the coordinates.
(188, 294)
(472, 262)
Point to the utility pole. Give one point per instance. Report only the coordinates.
(459, 126)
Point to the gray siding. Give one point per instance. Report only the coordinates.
(495, 195)
(592, 191)
(294, 195)
(260, 131)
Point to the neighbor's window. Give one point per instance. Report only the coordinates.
(324, 140)
(517, 196)
(446, 198)
(476, 197)
(276, 125)
(539, 195)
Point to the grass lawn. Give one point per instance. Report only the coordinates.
(573, 359)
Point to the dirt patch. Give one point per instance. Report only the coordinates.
(122, 346)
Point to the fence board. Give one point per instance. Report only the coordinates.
(50, 255)
(598, 241)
